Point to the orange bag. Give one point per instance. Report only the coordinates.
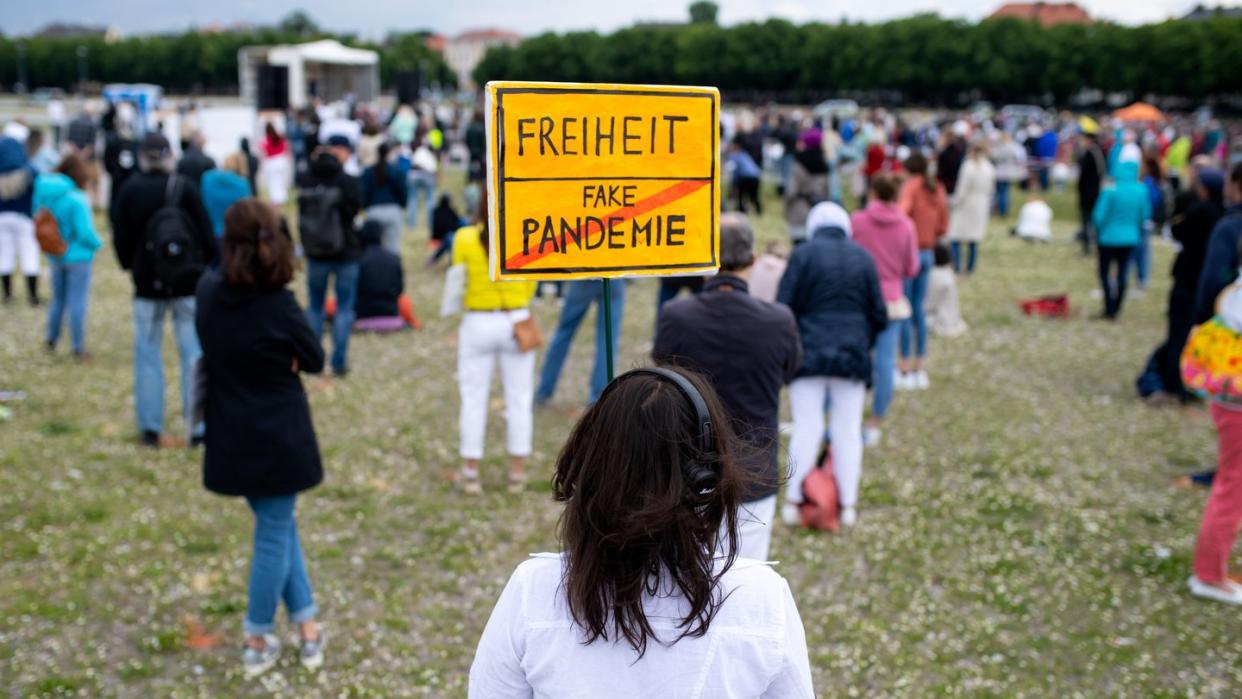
(821, 507)
(47, 232)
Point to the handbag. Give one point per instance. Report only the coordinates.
(454, 297)
(527, 334)
(899, 309)
(821, 506)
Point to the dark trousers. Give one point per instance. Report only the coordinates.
(1169, 356)
(747, 189)
(1086, 206)
(1114, 282)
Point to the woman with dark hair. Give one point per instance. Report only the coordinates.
(260, 442)
(487, 337)
(647, 598)
(923, 199)
(64, 195)
(383, 198)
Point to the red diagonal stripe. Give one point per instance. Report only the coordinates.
(665, 196)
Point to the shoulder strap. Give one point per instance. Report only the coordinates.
(172, 190)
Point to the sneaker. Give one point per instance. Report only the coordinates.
(921, 381)
(256, 661)
(872, 436)
(1231, 594)
(790, 515)
(901, 382)
(311, 653)
(848, 516)
(151, 439)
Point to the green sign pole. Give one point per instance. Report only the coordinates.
(608, 340)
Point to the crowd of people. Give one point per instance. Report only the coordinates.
(672, 478)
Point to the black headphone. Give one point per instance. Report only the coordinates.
(701, 474)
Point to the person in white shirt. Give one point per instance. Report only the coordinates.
(647, 598)
(1034, 219)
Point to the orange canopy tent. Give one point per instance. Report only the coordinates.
(1139, 111)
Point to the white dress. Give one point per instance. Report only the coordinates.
(971, 204)
(755, 646)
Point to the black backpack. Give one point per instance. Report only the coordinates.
(173, 253)
(319, 221)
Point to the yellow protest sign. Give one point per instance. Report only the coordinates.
(594, 181)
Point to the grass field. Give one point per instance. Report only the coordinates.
(1017, 533)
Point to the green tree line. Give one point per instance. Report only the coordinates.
(192, 61)
(925, 58)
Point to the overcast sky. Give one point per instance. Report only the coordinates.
(373, 18)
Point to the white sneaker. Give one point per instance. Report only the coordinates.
(848, 516)
(921, 381)
(872, 436)
(790, 515)
(256, 661)
(1232, 595)
(901, 382)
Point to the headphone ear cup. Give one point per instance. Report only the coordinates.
(701, 479)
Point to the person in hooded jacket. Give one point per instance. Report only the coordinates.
(17, 238)
(1120, 217)
(327, 170)
(260, 441)
(807, 184)
(833, 289)
(63, 194)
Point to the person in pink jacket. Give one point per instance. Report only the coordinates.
(889, 235)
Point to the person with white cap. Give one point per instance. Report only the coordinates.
(833, 289)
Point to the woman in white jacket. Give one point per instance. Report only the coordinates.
(970, 207)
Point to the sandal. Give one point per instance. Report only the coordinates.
(469, 483)
(517, 482)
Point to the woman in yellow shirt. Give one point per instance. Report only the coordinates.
(486, 335)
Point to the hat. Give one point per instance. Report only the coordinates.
(17, 131)
(1088, 126)
(154, 144)
(340, 141)
(811, 139)
(828, 215)
(1213, 181)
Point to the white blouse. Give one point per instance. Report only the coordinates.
(755, 646)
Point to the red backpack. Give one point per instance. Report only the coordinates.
(820, 506)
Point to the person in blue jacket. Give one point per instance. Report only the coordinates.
(63, 193)
(223, 187)
(1121, 213)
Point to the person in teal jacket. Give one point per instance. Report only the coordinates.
(63, 193)
(223, 187)
(1121, 213)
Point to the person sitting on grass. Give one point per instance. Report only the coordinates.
(647, 598)
(1034, 219)
(382, 305)
(260, 441)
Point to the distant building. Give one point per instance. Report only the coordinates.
(1201, 13)
(436, 42)
(464, 51)
(1048, 14)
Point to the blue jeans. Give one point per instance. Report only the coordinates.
(883, 366)
(71, 287)
(1142, 259)
(578, 299)
(345, 273)
(277, 569)
(149, 365)
(916, 292)
(425, 182)
(1002, 198)
(972, 254)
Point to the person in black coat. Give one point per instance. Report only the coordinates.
(1195, 215)
(382, 304)
(748, 349)
(260, 441)
(1092, 169)
(833, 289)
(194, 162)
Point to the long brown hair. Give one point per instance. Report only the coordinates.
(916, 164)
(480, 219)
(632, 524)
(256, 250)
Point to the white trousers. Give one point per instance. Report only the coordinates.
(17, 242)
(275, 173)
(754, 524)
(806, 402)
(484, 338)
